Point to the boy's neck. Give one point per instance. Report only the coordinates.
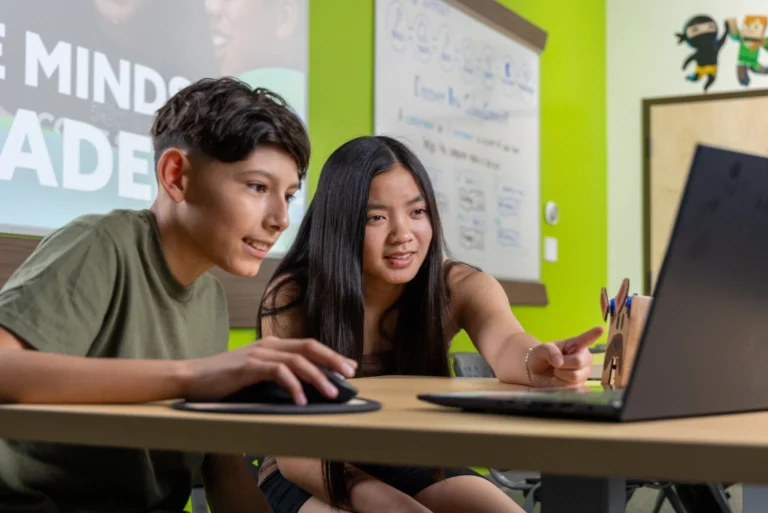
(183, 257)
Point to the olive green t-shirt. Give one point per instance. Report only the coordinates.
(101, 287)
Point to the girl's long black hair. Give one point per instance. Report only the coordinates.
(323, 272)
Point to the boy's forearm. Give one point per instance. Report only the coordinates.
(29, 376)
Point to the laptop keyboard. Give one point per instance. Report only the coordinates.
(582, 395)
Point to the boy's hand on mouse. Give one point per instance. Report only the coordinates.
(286, 361)
(564, 363)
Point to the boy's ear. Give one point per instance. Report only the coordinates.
(172, 167)
(621, 297)
(604, 303)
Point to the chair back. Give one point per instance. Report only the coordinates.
(471, 365)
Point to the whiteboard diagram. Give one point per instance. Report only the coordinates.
(465, 98)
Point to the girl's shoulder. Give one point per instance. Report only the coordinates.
(457, 273)
(282, 290)
(468, 287)
(282, 315)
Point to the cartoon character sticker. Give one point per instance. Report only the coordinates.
(751, 37)
(700, 32)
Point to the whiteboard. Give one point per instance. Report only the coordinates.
(465, 98)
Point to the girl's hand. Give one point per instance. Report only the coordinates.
(564, 363)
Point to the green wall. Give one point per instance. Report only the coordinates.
(573, 139)
(573, 163)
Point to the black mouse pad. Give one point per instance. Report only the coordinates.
(356, 405)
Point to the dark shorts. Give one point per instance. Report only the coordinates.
(286, 497)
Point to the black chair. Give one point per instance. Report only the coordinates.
(199, 503)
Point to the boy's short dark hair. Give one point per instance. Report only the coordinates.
(225, 119)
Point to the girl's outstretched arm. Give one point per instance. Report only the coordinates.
(480, 307)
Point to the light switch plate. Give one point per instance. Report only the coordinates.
(550, 249)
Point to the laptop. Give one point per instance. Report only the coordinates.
(704, 349)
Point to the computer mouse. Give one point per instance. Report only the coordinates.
(272, 393)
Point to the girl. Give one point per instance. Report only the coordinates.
(367, 275)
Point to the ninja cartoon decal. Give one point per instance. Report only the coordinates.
(700, 32)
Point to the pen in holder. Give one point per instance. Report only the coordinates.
(626, 315)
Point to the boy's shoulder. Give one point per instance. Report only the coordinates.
(75, 292)
(120, 234)
(117, 224)
(132, 235)
(120, 238)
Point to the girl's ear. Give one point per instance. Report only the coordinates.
(621, 297)
(604, 303)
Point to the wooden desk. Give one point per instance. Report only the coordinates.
(591, 458)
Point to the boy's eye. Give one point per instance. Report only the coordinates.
(289, 197)
(258, 187)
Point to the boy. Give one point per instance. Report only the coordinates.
(119, 308)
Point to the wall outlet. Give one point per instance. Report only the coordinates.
(550, 249)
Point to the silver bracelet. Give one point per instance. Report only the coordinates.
(527, 366)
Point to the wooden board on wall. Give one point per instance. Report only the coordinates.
(672, 128)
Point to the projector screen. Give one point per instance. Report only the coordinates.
(80, 81)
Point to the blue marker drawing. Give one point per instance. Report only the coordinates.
(467, 60)
(471, 230)
(508, 237)
(489, 73)
(427, 93)
(396, 26)
(471, 238)
(423, 46)
(447, 59)
(461, 134)
(437, 6)
(509, 79)
(472, 199)
(508, 202)
(453, 100)
(468, 179)
(417, 121)
(526, 84)
(508, 206)
(525, 73)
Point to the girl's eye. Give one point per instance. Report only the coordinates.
(375, 218)
(258, 187)
(419, 211)
(289, 197)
